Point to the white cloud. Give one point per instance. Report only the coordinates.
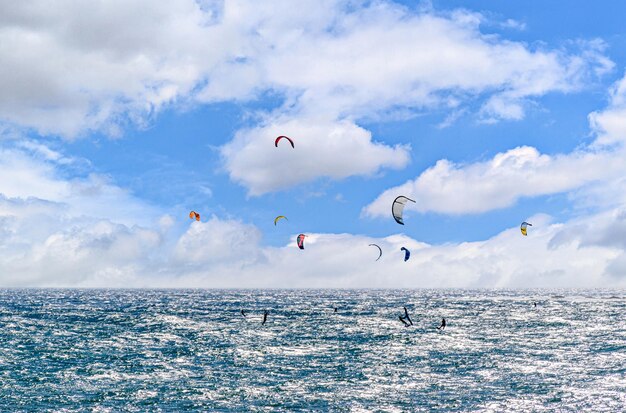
(26, 174)
(72, 67)
(41, 244)
(499, 182)
(58, 231)
(503, 107)
(216, 242)
(322, 148)
(354, 68)
(610, 124)
(519, 172)
(451, 118)
(23, 176)
(513, 24)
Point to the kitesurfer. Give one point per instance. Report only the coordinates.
(243, 312)
(406, 316)
(265, 313)
(443, 324)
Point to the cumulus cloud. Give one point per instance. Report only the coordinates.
(115, 63)
(100, 62)
(218, 242)
(322, 149)
(101, 254)
(520, 172)
(43, 244)
(60, 231)
(499, 182)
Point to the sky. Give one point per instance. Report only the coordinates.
(117, 118)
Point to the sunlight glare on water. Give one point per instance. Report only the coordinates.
(192, 350)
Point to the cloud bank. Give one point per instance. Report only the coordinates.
(48, 242)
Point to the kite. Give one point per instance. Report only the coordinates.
(380, 251)
(407, 253)
(397, 207)
(279, 217)
(300, 241)
(283, 137)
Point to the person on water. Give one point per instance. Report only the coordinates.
(243, 312)
(443, 324)
(265, 313)
(406, 317)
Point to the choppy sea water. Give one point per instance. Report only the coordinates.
(191, 350)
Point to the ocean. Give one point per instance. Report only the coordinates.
(192, 350)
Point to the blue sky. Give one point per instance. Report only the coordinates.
(487, 113)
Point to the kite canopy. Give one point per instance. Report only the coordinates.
(524, 226)
(397, 207)
(380, 254)
(407, 254)
(194, 215)
(300, 241)
(279, 217)
(283, 137)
